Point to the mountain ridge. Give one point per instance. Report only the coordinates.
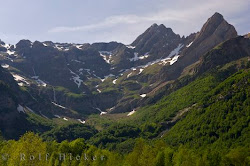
(76, 80)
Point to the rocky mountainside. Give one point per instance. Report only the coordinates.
(213, 32)
(216, 30)
(65, 81)
(156, 41)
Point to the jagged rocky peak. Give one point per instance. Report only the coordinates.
(214, 31)
(153, 32)
(217, 16)
(2, 46)
(157, 40)
(1, 42)
(155, 27)
(38, 44)
(218, 27)
(23, 44)
(167, 30)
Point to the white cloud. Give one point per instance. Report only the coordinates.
(193, 11)
(112, 21)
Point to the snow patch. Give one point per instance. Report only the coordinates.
(61, 47)
(60, 106)
(10, 52)
(189, 44)
(114, 81)
(20, 84)
(174, 59)
(175, 51)
(76, 79)
(57, 116)
(39, 82)
(7, 46)
(107, 56)
(103, 113)
(144, 56)
(65, 119)
(131, 47)
(58, 47)
(78, 46)
(141, 70)
(20, 80)
(112, 108)
(20, 108)
(165, 61)
(45, 45)
(5, 66)
(81, 121)
(135, 58)
(131, 113)
(143, 95)
(129, 74)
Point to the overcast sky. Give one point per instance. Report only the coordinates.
(88, 21)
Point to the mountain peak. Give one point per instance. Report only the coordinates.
(217, 15)
(160, 27)
(216, 19)
(154, 25)
(154, 34)
(217, 26)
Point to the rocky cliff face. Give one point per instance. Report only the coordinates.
(9, 102)
(226, 52)
(9, 90)
(157, 41)
(213, 32)
(83, 76)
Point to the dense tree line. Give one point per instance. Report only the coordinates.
(31, 150)
(214, 131)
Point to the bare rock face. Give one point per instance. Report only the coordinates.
(216, 27)
(106, 46)
(157, 40)
(155, 43)
(226, 52)
(215, 31)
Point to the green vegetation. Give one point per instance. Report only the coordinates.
(68, 93)
(153, 69)
(216, 111)
(202, 122)
(31, 150)
(222, 120)
(70, 132)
